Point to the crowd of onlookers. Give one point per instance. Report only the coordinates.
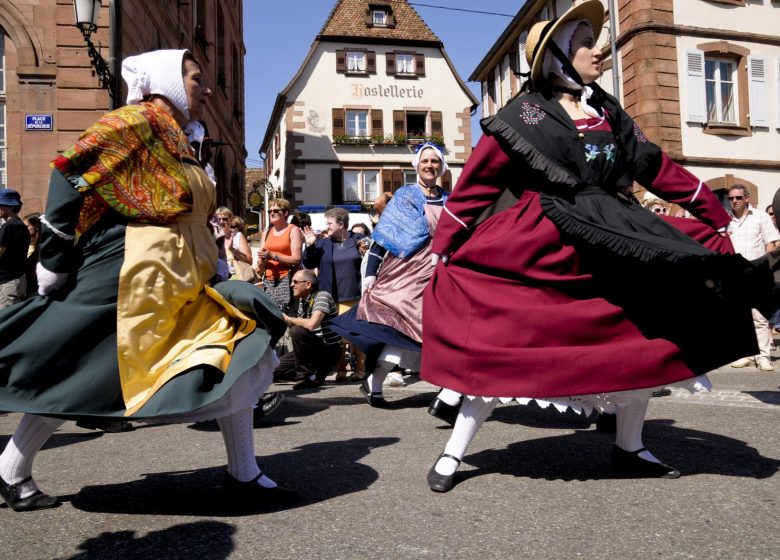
(312, 276)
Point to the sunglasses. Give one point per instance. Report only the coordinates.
(294, 282)
(736, 197)
(275, 211)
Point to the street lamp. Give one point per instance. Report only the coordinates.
(87, 13)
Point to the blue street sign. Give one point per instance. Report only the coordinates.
(39, 122)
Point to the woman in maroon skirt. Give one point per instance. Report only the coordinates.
(542, 248)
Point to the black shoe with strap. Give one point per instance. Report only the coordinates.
(39, 500)
(441, 482)
(376, 400)
(250, 490)
(628, 464)
(443, 411)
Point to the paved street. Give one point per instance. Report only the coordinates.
(534, 485)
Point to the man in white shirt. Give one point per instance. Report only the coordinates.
(753, 235)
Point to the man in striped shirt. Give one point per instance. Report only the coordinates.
(316, 349)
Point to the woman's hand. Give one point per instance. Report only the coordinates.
(262, 254)
(309, 236)
(436, 257)
(368, 283)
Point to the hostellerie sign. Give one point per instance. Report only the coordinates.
(396, 92)
(39, 122)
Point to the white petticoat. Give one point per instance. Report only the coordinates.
(606, 402)
(392, 356)
(244, 394)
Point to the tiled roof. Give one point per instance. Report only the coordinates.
(348, 19)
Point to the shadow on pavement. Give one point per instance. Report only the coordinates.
(202, 539)
(60, 440)
(318, 471)
(768, 397)
(584, 455)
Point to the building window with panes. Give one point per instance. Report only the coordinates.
(356, 62)
(404, 64)
(361, 185)
(379, 17)
(3, 135)
(720, 81)
(357, 122)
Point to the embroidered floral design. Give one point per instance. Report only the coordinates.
(591, 152)
(531, 114)
(639, 135)
(609, 152)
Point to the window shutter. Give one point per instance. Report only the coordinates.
(419, 64)
(446, 181)
(777, 92)
(336, 186)
(369, 18)
(387, 180)
(759, 101)
(436, 127)
(341, 61)
(397, 180)
(377, 128)
(371, 62)
(390, 20)
(697, 96)
(390, 58)
(399, 123)
(338, 122)
(522, 62)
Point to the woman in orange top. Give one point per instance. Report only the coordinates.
(280, 252)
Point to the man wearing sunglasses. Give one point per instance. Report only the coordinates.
(316, 349)
(753, 235)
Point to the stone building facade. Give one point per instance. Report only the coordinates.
(700, 77)
(45, 70)
(375, 84)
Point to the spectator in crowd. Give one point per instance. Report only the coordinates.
(753, 235)
(14, 244)
(33, 223)
(387, 325)
(301, 219)
(316, 348)
(655, 204)
(361, 229)
(380, 203)
(279, 253)
(337, 260)
(234, 243)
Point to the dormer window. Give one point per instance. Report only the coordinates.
(379, 17)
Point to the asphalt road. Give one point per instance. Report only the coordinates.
(534, 484)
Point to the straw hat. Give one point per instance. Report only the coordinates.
(540, 33)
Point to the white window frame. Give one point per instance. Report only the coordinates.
(362, 193)
(410, 177)
(405, 64)
(718, 81)
(356, 122)
(356, 62)
(379, 17)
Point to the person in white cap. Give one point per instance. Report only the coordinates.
(546, 249)
(14, 242)
(128, 325)
(387, 323)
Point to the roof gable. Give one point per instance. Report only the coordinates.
(352, 18)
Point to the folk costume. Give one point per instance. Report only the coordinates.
(547, 249)
(136, 330)
(387, 323)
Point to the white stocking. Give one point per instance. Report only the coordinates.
(17, 459)
(472, 414)
(630, 419)
(238, 433)
(450, 397)
(376, 379)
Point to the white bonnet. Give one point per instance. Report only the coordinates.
(156, 73)
(435, 148)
